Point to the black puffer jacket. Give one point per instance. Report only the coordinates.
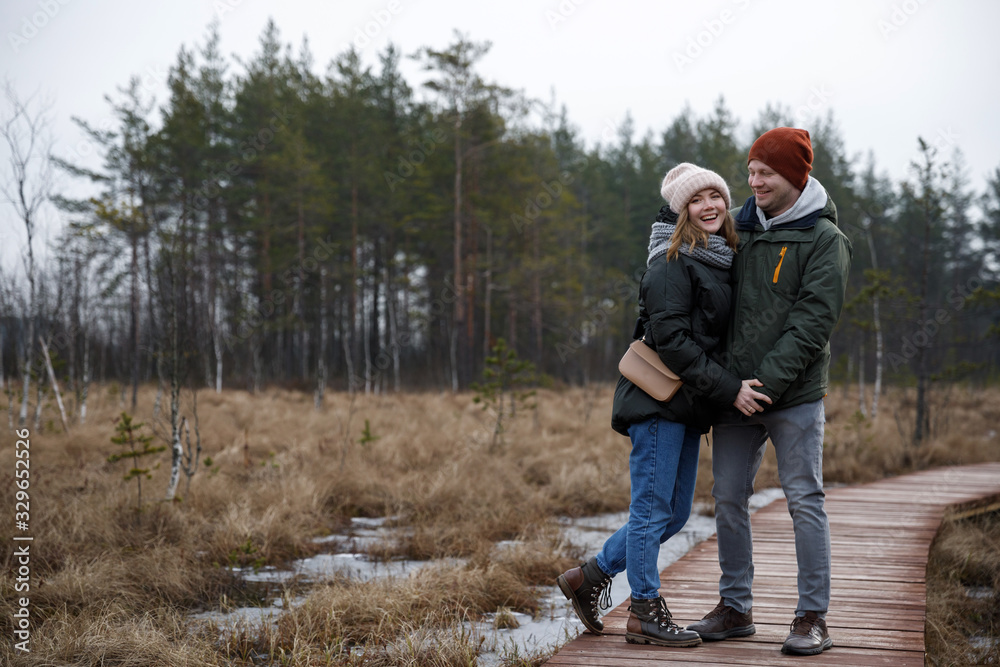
(684, 307)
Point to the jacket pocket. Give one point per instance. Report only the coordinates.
(782, 271)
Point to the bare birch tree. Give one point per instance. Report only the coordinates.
(876, 322)
(27, 185)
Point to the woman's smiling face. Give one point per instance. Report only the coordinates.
(707, 209)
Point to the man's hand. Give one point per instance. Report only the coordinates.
(746, 400)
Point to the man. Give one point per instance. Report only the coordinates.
(790, 275)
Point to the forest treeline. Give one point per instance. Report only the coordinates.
(268, 224)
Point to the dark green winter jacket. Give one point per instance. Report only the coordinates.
(789, 285)
(684, 308)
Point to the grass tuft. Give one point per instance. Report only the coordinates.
(963, 593)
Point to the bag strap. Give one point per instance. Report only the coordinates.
(639, 330)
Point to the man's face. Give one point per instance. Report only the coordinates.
(772, 191)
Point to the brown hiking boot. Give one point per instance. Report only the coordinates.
(650, 623)
(808, 636)
(589, 589)
(724, 622)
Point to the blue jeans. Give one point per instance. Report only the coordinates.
(663, 466)
(738, 444)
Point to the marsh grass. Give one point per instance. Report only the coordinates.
(113, 634)
(112, 586)
(963, 593)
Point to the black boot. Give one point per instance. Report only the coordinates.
(724, 622)
(808, 636)
(589, 589)
(650, 623)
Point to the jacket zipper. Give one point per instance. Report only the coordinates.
(781, 259)
(738, 296)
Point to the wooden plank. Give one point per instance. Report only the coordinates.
(775, 633)
(857, 627)
(848, 614)
(746, 651)
(880, 536)
(845, 598)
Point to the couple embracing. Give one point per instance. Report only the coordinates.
(741, 308)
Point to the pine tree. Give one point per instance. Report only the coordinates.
(463, 92)
(129, 434)
(929, 192)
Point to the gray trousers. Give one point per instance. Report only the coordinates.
(738, 447)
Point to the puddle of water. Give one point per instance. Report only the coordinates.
(982, 643)
(979, 592)
(551, 628)
(555, 624)
(983, 650)
(324, 566)
(256, 617)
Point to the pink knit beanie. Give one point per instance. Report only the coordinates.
(686, 180)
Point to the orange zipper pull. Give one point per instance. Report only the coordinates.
(781, 259)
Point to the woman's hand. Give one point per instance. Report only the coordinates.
(746, 400)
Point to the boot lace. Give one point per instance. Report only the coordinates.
(663, 616)
(719, 610)
(802, 625)
(601, 595)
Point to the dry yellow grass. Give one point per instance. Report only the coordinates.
(963, 593)
(110, 634)
(283, 472)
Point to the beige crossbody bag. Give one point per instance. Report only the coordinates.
(642, 365)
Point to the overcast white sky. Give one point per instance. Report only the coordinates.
(891, 70)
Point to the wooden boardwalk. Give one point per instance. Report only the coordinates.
(880, 535)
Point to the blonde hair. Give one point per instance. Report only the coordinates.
(688, 232)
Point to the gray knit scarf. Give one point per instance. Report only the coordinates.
(717, 254)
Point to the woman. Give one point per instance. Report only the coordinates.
(684, 300)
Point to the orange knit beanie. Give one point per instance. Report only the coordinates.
(788, 151)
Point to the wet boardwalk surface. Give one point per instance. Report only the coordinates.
(880, 534)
